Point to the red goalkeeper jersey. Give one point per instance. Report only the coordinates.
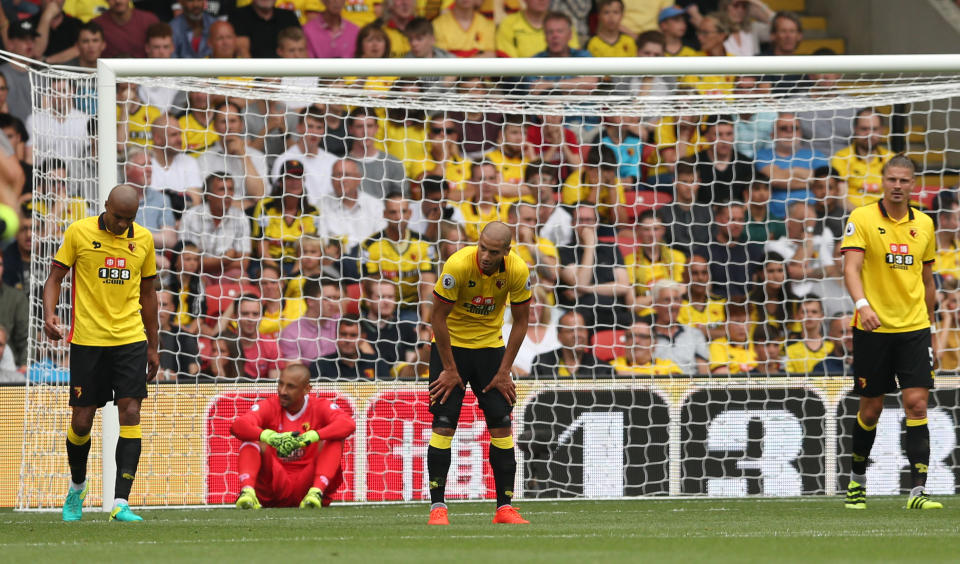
(320, 415)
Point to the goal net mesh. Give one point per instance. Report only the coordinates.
(689, 329)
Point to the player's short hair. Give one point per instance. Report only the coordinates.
(557, 16)
(651, 36)
(418, 27)
(767, 333)
(292, 33)
(603, 157)
(249, 297)
(434, 185)
(348, 320)
(900, 160)
(90, 27)
(159, 29)
(645, 215)
(311, 288)
(760, 179)
(357, 114)
(47, 166)
(513, 119)
(541, 170)
(715, 120)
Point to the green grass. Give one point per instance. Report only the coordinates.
(809, 530)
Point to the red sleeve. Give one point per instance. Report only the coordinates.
(248, 426)
(336, 424)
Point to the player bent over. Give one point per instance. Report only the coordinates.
(467, 322)
(889, 250)
(292, 448)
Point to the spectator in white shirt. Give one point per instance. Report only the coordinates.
(233, 155)
(218, 228)
(58, 129)
(174, 172)
(317, 163)
(348, 213)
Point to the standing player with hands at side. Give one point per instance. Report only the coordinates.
(889, 250)
(113, 337)
(467, 320)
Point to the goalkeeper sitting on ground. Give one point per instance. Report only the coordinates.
(292, 446)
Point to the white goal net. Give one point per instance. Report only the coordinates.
(689, 333)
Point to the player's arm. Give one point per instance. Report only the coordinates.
(151, 323)
(852, 266)
(449, 377)
(503, 381)
(930, 292)
(51, 295)
(338, 426)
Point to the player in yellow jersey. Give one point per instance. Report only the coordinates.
(469, 299)
(889, 251)
(113, 336)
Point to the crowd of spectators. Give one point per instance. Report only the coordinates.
(290, 231)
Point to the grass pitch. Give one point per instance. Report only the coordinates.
(753, 530)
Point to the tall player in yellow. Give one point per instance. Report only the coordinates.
(467, 323)
(113, 336)
(889, 250)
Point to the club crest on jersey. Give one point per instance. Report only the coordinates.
(132, 246)
(913, 233)
(500, 284)
(305, 426)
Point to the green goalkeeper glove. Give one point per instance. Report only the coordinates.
(285, 443)
(309, 438)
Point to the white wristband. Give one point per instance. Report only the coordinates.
(933, 329)
(862, 302)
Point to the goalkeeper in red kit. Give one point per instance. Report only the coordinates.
(292, 446)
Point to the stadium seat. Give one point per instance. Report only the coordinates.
(640, 201)
(925, 194)
(352, 300)
(219, 297)
(607, 345)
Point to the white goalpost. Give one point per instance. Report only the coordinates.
(750, 416)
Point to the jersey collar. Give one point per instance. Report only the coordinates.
(883, 211)
(295, 416)
(103, 227)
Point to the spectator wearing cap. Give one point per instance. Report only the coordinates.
(56, 32)
(349, 213)
(19, 39)
(558, 30)
(125, 29)
(190, 30)
(307, 149)
(643, 15)
(403, 257)
(257, 26)
(280, 221)
(330, 36)
(377, 168)
(672, 23)
(218, 228)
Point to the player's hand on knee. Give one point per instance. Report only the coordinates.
(869, 319)
(51, 327)
(443, 386)
(503, 383)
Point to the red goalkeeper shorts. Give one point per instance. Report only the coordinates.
(280, 486)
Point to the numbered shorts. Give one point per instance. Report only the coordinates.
(881, 360)
(102, 374)
(477, 367)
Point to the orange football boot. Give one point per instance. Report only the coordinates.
(438, 516)
(510, 516)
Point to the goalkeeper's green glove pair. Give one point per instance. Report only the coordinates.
(287, 443)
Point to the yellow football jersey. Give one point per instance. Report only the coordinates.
(475, 220)
(107, 270)
(659, 367)
(139, 124)
(476, 321)
(948, 261)
(894, 253)
(644, 272)
(269, 223)
(803, 359)
(624, 46)
(711, 314)
(864, 176)
(736, 358)
(197, 137)
(401, 262)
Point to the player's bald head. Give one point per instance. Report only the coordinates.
(497, 233)
(297, 373)
(124, 197)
